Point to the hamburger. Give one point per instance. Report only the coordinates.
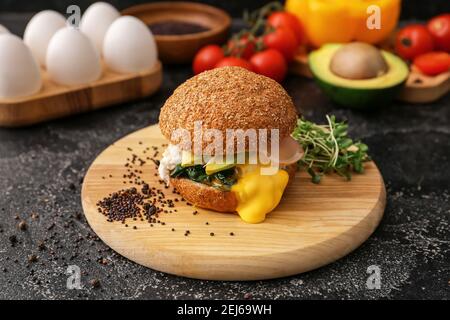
(234, 176)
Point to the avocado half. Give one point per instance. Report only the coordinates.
(364, 93)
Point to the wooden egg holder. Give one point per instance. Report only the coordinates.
(56, 101)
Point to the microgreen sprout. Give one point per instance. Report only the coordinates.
(328, 149)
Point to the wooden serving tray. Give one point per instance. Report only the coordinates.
(418, 88)
(56, 101)
(312, 226)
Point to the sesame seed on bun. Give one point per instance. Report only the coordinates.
(228, 98)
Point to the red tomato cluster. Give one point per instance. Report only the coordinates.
(428, 47)
(267, 54)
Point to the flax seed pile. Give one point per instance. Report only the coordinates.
(145, 204)
(141, 201)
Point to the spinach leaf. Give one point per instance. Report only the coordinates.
(178, 171)
(222, 179)
(227, 177)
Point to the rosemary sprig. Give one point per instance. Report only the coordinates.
(329, 149)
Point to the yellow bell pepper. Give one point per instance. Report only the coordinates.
(328, 21)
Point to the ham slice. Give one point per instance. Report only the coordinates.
(290, 152)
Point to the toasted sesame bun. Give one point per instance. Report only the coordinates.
(228, 98)
(204, 196)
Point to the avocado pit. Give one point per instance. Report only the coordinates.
(358, 61)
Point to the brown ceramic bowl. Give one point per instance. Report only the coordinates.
(182, 48)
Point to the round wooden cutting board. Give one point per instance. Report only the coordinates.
(313, 225)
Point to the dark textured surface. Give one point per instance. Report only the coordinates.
(41, 169)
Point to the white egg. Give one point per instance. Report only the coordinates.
(3, 29)
(72, 58)
(40, 30)
(129, 46)
(96, 21)
(19, 71)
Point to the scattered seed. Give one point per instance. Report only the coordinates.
(22, 225)
(41, 246)
(95, 283)
(13, 240)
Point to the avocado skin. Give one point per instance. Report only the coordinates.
(359, 98)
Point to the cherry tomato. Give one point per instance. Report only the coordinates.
(433, 63)
(234, 62)
(207, 58)
(242, 47)
(283, 40)
(413, 40)
(289, 21)
(439, 27)
(270, 63)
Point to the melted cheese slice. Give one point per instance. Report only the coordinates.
(258, 194)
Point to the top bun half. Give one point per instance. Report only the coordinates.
(228, 98)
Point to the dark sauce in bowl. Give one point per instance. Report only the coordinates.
(176, 28)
